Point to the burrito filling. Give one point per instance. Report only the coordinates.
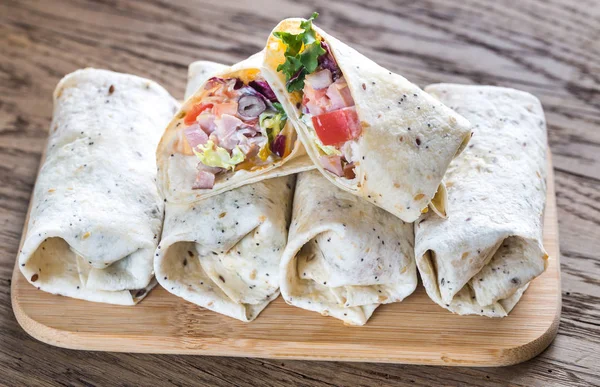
(235, 124)
(327, 106)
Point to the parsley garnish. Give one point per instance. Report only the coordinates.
(301, 54)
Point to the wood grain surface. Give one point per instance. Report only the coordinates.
(549, 48)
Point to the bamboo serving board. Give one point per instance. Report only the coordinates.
(415, 331)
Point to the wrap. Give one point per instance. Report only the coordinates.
(216, 142)
(369, 131)
(344, 256)
(223, 253)
(96, 213)
(481, 259)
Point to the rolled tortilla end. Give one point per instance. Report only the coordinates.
(96, 213)
(344, 256)
(482, 258)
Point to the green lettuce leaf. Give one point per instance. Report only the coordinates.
(271, 124)
(302, 52)
(214, 156)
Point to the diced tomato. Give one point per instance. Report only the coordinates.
(338, 126)
(195, 111)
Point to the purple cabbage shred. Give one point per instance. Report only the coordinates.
(264, 89)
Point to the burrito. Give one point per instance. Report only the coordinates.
(369, 131)
(344, 256)
(96, 213)
(481, 259)
(222, 253)
(232, 131)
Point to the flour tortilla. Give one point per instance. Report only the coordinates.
(344, 256)
(177, 171)
(408, 138)
(199, 72)
(238, 235)
(223, 253)
(96, 213)
(481, 259)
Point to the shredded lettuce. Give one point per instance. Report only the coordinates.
(271, 124)
(214, 156)
(302, 52)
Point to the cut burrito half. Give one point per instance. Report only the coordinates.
(232, 131)
(96, 213)
(368, 130)
(344, 256)
(223, 253)
(481, 259)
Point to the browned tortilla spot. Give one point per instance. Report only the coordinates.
(419, 196)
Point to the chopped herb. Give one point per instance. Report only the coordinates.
(301, 54)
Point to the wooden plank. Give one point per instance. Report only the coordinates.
(415, 331)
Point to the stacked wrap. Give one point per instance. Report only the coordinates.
(96, 213)
(408, 138)
(481, 259)
(344, 256)
(178, 164)
(223, 252)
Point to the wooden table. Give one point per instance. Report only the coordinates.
(549, 48)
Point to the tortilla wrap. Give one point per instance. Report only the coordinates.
(482, 258)
(223, 253)
(344, 256)
(408, 138)
(178, 164)
(96, 214)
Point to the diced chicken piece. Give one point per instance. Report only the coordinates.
(207, 122)
(195, 135)
(204, 180)
(319, 80)
(339, 95)
(315, 100)
(332, 164)
(225, 132)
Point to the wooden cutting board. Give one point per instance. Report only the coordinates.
(416, 331)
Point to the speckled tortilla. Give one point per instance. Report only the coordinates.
(344, 256)
(96, 213)
(482, 258)
(223, 253)
(238, 236)
(177, 171)
(408, 138)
